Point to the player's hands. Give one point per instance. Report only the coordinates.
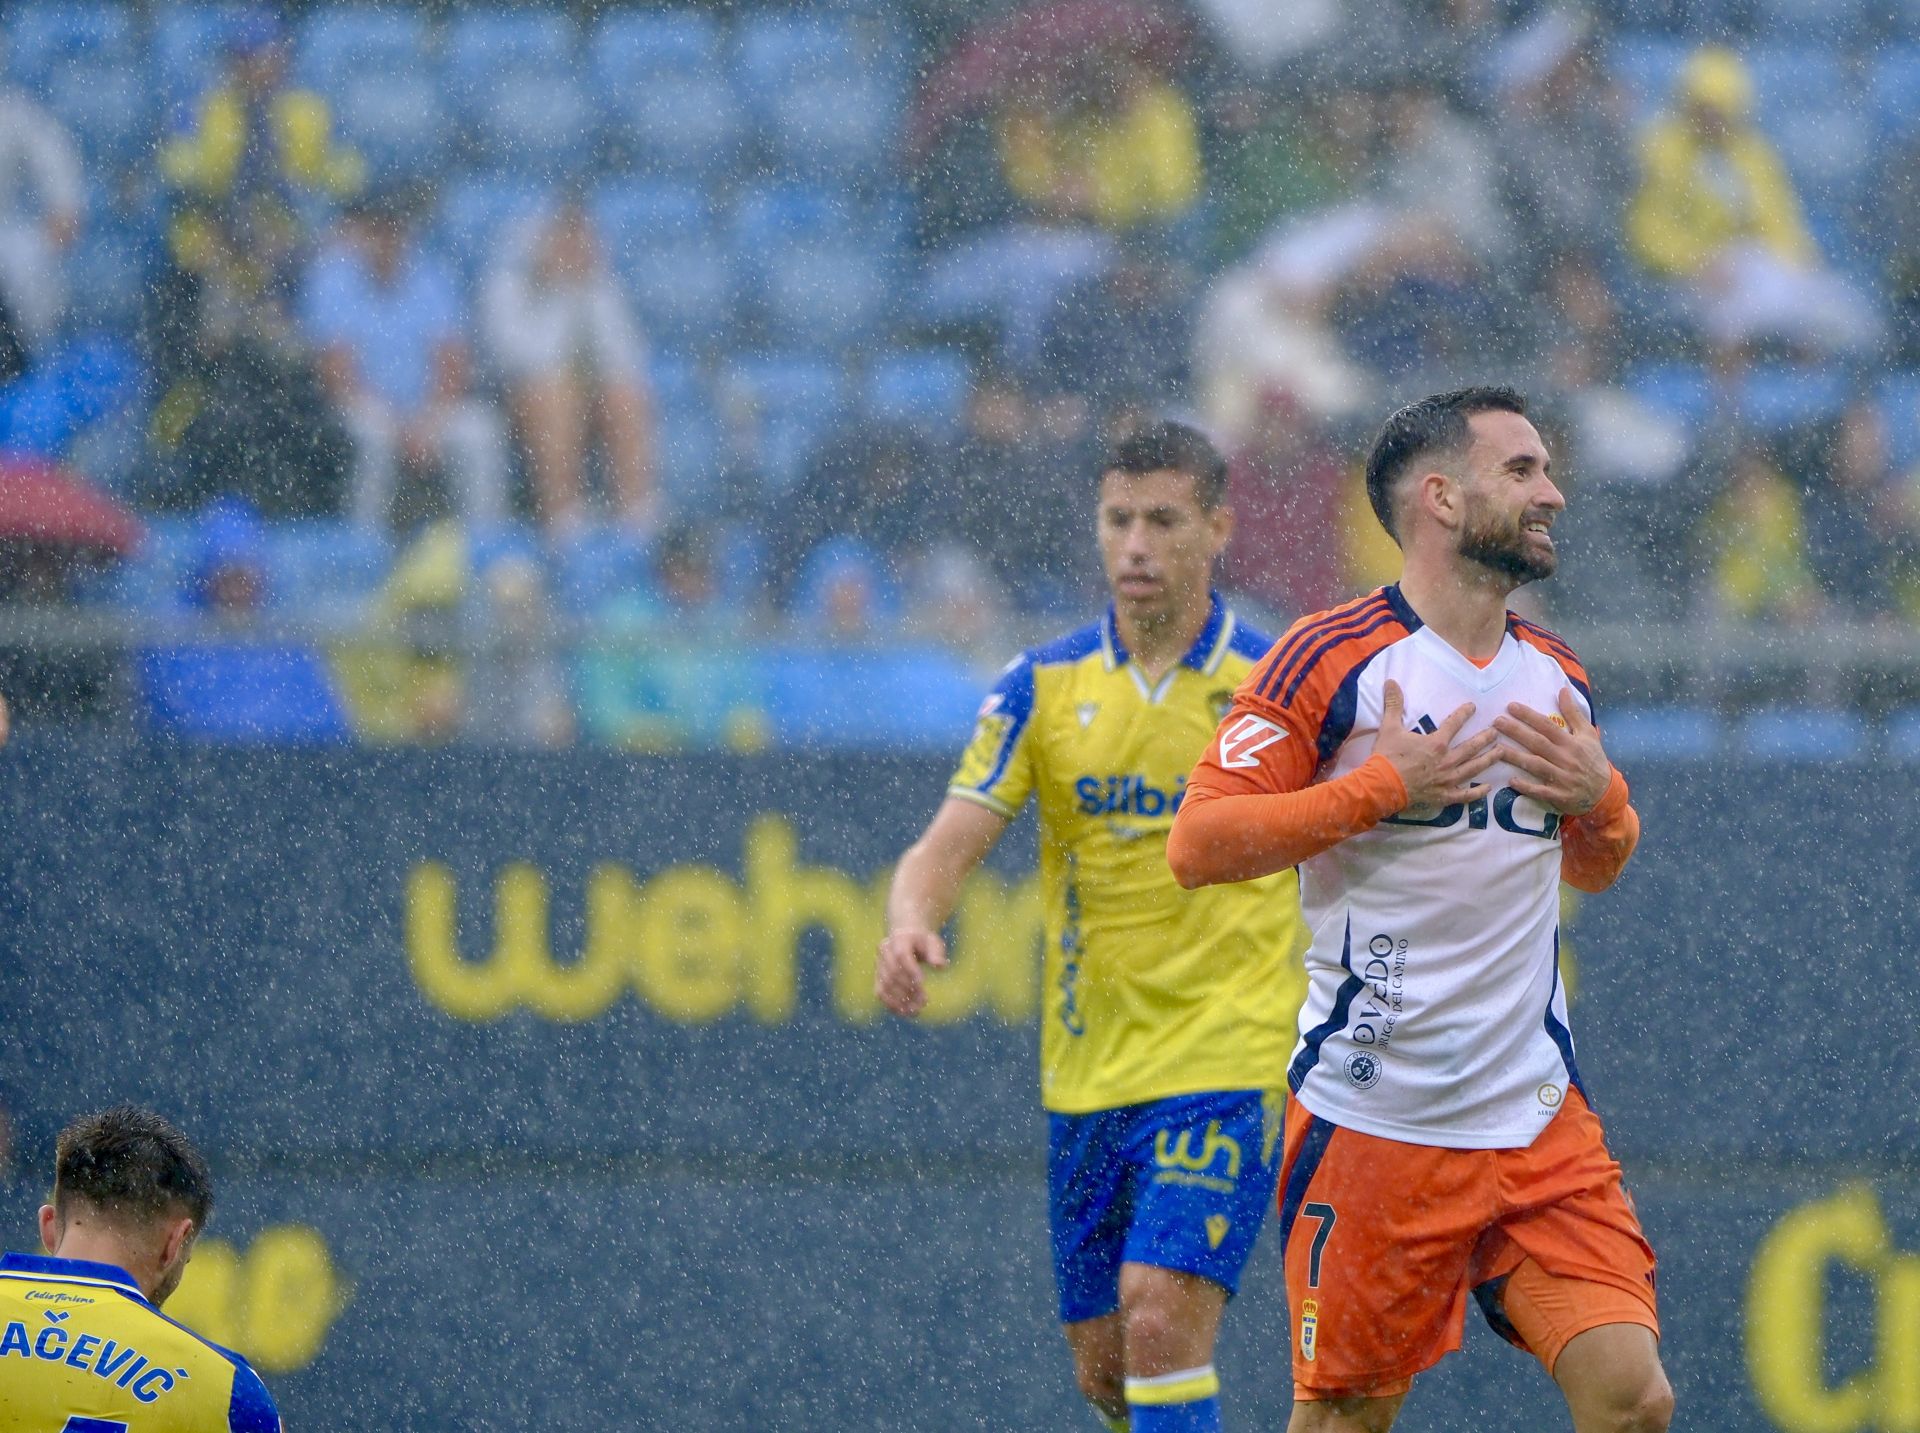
(1435, 771)
(1564, 767)
(897, 977)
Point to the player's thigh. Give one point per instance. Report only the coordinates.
(1090, 1183)
(1612, 1379)
(1377, 1238)
(1203, 1168)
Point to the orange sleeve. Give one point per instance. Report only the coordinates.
(1252, 806)
(1594, 848)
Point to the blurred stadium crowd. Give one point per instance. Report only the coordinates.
(659, 376)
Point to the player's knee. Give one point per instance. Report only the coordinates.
(1643, 1406)
(1102, 1386)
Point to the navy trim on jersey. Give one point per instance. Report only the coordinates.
(1081, 642)
(1561, 1036)
(1015, 691)
(251, 1408)
(1313, 1148)
(1249, 642)
(1556, 648)
(1336, 1020)
(1312, 658)
(1199, 656)
(1284, 664)
(43, 1266)
(1342, 709)
(1403, 609)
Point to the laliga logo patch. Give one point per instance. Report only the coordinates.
(989, 706)
(1242, 743)
(1363, 1070)
(1309, 1329)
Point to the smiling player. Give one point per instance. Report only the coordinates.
(1429, 762)
(1165, 1024)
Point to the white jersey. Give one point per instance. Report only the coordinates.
(1434, 1013)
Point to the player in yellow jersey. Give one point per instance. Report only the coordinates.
(1167, 1020)
(84, 1347)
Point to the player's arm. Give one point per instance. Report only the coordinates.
(1565, 769)
(1253, 808)
(926, 885)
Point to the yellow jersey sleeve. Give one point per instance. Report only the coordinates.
(997, 769)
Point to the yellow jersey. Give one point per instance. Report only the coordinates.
(81, 1351)
(1150, 991)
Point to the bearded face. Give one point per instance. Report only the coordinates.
(1511, 542)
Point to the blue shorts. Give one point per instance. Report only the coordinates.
(1181, 1183)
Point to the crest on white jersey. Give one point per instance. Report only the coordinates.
(1242, 743)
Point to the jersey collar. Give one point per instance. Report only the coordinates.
(1216, 634)
(81, 1270)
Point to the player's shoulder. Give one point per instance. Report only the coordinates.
(1542, 639)
(1321, 651)
(1068, 648)
(250, 1408)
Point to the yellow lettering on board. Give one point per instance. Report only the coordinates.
(1786, 1312)
(688, 931)
(275, 1304)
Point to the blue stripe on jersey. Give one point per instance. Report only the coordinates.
(251, 1409)
(1342, 709)
(1313, 1148)
(1285, 664)
(1312, 659)
(1249, 642)
(1336, 1020)
(1561, 1036)
(1015, 690)
(1201, 652)
(1402, 608)
(1082, 642)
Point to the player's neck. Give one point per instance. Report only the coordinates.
(93, 1245)
(1157, 643)
(1466, 608)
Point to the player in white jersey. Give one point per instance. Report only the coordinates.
(1429, 761)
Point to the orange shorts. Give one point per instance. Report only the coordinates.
(1384, 1241)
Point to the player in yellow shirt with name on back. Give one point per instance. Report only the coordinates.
(1167, 1017)
(84, 1347)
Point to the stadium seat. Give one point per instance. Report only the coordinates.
(188, 52)
(689, 442)
(662, 242)
(1660, 732)
(796, 401)
(822, 271)
(476, 211)
(375, 69)
(1903, 734)
(925, 389)
(514, 82)
(1646, 66)
(1900, 405)
(849, 700)
(595, 565)
(824, 89)
(1777, 398)
(665, 92)
(1809, 20)
(326, 570)
(1803, 734)
(1684, 390)
(82, 63)
(1896, 89)
(267, 692)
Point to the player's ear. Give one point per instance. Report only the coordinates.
(1440, 495)
(49, 1228)
(178, 1247)
(1220, 520)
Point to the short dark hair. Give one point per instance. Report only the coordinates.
(1434, 424)
(1167, 446)
(131, 1165)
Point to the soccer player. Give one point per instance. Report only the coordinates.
(1164, 1027)
(84, 1347)
(1430, 763)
